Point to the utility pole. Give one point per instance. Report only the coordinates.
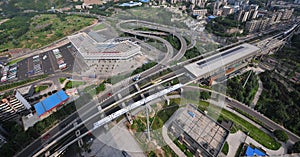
(247, 79)
(148, 123)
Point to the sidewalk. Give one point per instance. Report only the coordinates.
(257, 94)
(234, 141)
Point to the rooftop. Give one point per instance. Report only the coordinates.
(201, 131)
(91, 49)
(254, 152)
(51, 102)
(25, 90)
(220, 60)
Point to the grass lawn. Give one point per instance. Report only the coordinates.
(40, 88)
(62, 80)
(254, 132)
(225, 148)
(72, 84)
(99, 27)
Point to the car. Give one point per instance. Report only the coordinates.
(125, 154)
(46, 137)
(109, 94)
(136, 78)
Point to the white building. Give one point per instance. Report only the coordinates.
(107, 57)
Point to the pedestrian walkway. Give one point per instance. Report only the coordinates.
(234, 141)
(257, 94)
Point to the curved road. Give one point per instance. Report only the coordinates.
(183, 45)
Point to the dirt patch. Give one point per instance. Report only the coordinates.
(49, 35)
(159, 152)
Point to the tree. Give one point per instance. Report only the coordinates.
(296, 147)
(281, 135)
(204, 95)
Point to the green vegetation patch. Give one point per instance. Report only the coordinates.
(18, 139)
(278, 104)
(99, 27)
(183, 148)
(173, 40)
(143, 68)
(39, 30)
(239, 151)
(191, 53)
(245, 94)
(169, 151)
(254, 132)
(157, 15)
(14, 61)
(225, 148)
(40, 88)
(19, 83)
(62, 80)
(281, 135)
(296, 147)
(100, 88)
(73, 84)
(164, 114)
(220, 25)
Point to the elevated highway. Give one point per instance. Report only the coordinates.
(183, 45)
(120, 88)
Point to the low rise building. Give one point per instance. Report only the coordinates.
(200, 12)
(287, 14)
(203, 136)
(227, 10)
(51, 103)
(26, 91)
(107, 57)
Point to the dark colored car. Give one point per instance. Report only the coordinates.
(125, 154)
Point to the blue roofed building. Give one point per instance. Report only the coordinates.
(254, 152)
(144, 1)
(51, 103)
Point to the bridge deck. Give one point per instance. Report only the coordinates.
(217, 61)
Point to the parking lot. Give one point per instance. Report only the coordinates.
(8, 73)
(44, 63)
(36, 65)
(50, 62)
(67, 53)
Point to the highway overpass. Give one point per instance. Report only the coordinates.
(146, 76)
